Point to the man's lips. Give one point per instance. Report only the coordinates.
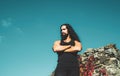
(63, 34)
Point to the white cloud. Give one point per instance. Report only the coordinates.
(6, 22)
(19, 30)
(12, 29)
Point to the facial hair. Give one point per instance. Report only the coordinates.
(64, 36)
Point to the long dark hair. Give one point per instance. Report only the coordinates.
(71, 32)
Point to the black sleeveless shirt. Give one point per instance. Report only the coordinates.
(67, 58)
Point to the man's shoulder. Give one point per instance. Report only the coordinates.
(57, 41)
(76, 41)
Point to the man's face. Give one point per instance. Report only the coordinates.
(64, 30)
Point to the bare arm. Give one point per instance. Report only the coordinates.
(57, 47)
(77, 47)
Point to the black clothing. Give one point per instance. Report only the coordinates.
(67, 62)
(66, 71)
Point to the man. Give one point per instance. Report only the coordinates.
(67, 49)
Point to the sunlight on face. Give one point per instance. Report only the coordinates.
(64, 30)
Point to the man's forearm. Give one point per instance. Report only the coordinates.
(62, 48)
(73, 49)
(70, 50)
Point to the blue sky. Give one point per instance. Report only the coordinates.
(28, 30)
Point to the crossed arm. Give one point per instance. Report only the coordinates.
(66, 48)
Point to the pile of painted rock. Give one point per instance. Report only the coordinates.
(103, 61)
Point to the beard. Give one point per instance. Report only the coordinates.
(64, 36)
